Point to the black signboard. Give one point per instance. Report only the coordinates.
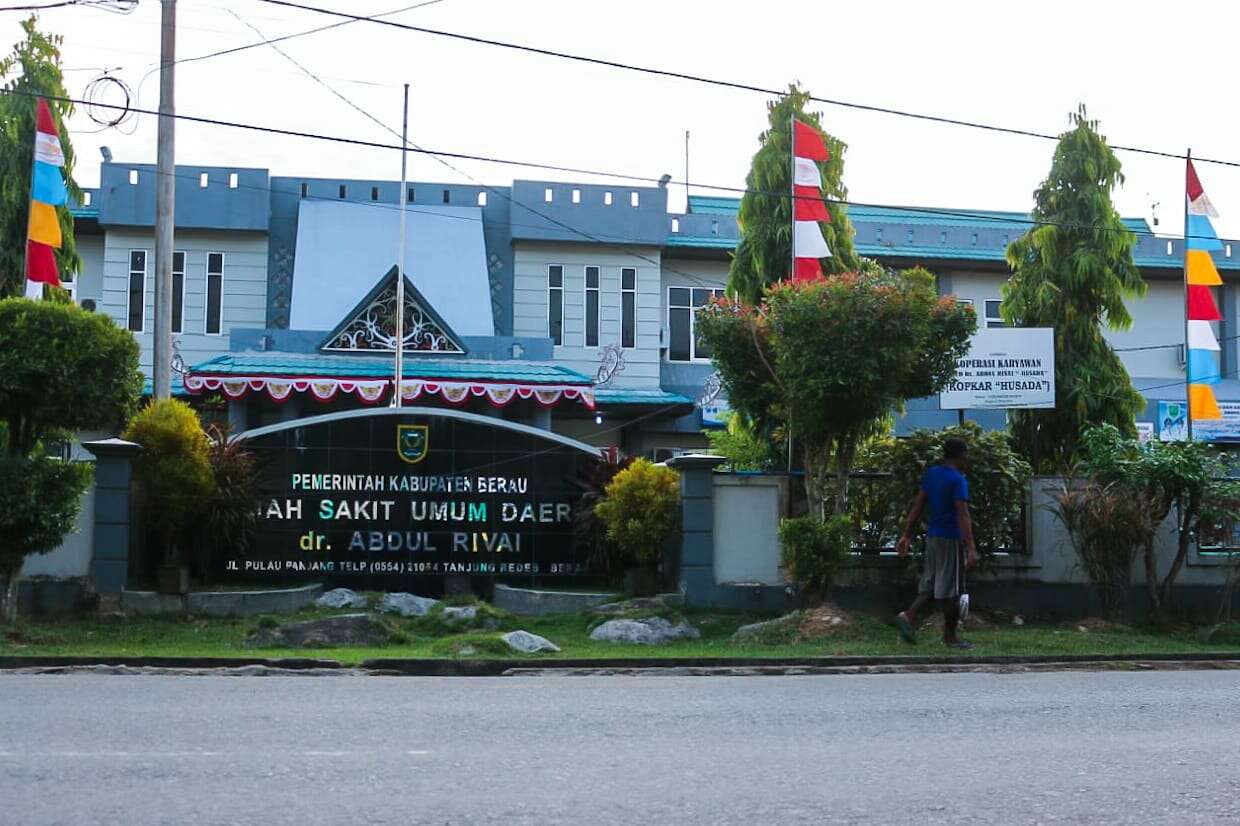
(399, 499)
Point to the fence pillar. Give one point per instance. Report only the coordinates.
(109, 567)
(697, 538)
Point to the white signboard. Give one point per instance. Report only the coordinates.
(1007, 368)
(1172, 426)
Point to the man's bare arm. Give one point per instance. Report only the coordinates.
(965, 521)
(915, 511)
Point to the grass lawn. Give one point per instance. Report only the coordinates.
(202, 637)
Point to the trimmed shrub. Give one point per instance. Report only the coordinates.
(641, 509)
(813, 551)
(173, 470)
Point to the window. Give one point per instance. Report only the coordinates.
(555, 303)
(634, 199)
(305, 190)
(606, 199)
(576, 196)
(548, 195)
(628, 307)
(343, 192)
(232, 180)
(409, 195)
(592, 279)
(374, 193)
(178, 291)
(137, 289)
(994, 316)
(133, 177)
(447, 196)
(964, 302)
(675, 225)
(86, 202)
(215, 292)
(202, 180)
(682, 304)
(482, 199)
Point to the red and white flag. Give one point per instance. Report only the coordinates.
(808, 206)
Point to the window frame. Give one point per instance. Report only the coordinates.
(178, 319)
(628, 324)
(206, 295)
(692, 308)
(130, 273)
(556, 293)
(993, 322)
(586, 291)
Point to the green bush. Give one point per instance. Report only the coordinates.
(641, 509)
(998, 481)
(42, 497)
(173, 470)
(230, 511)
(814, 550)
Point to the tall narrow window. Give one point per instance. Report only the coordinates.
(555, 303)
(592, 279)
(178, 291)
(137, 289)
(682, 306)
(628, 307)
(215, 292)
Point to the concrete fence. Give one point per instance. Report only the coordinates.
(730, 556)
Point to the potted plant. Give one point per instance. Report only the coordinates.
(641, 509)
(173, 473)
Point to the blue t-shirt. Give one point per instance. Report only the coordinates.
(944, 486)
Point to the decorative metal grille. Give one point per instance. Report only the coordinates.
(375, 328)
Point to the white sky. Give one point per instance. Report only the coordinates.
(1153, 78)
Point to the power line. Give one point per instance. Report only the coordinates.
(646, 179)
(727, 84)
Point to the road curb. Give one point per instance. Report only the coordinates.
(499, 668)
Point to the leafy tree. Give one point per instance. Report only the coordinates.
(33, 68)
(641, 509)
(229, 512)
(1072, 271)
(821, 358)
(745, 447)
(62, 369)
(173, 470)
(764, 255)
(1187, 477)
(41, 497)
(811, 551)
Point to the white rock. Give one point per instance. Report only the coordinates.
(407, 605)
(460, 613)
(1018, 620)
(341, 598)
(528, 643)
(651, 631)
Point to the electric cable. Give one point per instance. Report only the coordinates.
(727, 84)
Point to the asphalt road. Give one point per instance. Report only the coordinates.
(961, 748)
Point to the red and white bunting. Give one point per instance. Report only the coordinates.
(808, 207)
(371, 391)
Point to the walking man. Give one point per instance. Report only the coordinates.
(945, 491)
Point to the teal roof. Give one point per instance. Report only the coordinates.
(178, 387)
(966, 234)
(314, 365)
(627, 395)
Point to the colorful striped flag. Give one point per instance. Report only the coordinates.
(47, 191)
(1200, 275)
(808, 206)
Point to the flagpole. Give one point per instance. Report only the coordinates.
(400, 257)
(1188, 400)
(34, 148)
(792, 191)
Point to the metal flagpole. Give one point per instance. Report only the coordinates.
(792, 258)
(400, 257)
(1188, 398)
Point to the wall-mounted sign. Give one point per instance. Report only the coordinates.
(1007, 368)
(1145, 432)
(398, 499)
(1172, 426)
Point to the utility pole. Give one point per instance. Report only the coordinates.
(165, 193)
(399, 367)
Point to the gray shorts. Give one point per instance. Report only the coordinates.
(941, 575)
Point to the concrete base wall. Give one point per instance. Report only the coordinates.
(222, 603)
(532, 602)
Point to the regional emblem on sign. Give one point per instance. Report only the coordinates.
(412, 441)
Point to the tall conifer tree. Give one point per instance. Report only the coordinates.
(1072, 271)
